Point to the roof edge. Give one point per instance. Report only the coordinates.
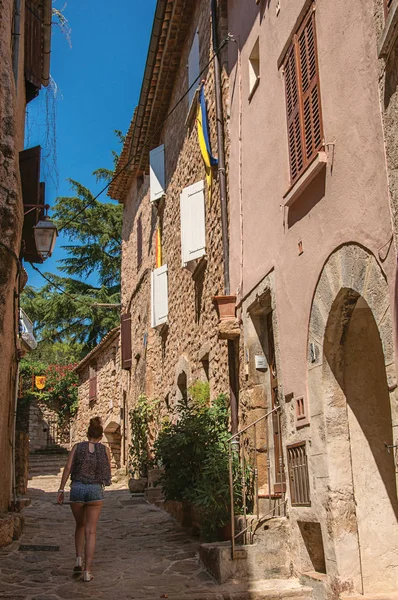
(106, 340)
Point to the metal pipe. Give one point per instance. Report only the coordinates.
(257, 503)
(254, 423)
(14, 479)
(16, 38)
(231, 495)
(221, 150)
(233, 386)
(47, 19)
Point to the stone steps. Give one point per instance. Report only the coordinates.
(47, 464)
(381, 596)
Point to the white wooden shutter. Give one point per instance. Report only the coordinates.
(160, 300)
(193, 222)
(157, 173)
(193, 67)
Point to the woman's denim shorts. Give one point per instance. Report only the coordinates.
(86, 492)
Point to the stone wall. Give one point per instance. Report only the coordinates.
(11, 217)
(187, 348)
(108, 404)
(45, 431)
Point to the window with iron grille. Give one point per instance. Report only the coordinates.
(303, 100)
(298, 475)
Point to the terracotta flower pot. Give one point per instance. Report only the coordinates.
(225, 306)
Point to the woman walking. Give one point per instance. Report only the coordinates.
(90, 470)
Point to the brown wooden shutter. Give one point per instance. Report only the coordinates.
(93, 383)
(293, 114)
(33, 48)
(311, 104)
(139, 242)
(125, 330)
(303, 105)
(33, 194)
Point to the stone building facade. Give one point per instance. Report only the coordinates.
(314, 266)
(100, 395)
(19, 83)
(170, 346)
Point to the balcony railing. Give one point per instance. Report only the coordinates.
(261, 487)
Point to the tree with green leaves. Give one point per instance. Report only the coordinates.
(65, 310)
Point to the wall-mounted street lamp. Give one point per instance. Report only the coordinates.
(45, 234)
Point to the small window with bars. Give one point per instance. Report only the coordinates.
(303, 100)
(298, 475)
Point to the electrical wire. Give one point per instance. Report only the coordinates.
(149, 140)
(74, 298)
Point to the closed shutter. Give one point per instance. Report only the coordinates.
(29, 167)
(193, 67)
(159, 292)
(125, 333)
(303, 102)
(139, 241)
(193, 222)
(157, 173)
(93, 383)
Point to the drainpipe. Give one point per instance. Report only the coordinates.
(47, 18)
(16, 37)
(232, 344)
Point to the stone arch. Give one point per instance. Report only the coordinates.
(113, 438)
(351, 380)
(351, 267)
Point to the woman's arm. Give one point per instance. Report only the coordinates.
(65, 475)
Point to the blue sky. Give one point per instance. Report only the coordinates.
(98, 83)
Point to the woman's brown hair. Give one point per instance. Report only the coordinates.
(95, 429)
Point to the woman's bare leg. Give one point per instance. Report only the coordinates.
(79, 512)
(93, 510)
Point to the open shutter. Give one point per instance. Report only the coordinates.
(157, 173)
(125, 332)
(193, 222)
(160, 301)
(193, 67)
(29, 167)
(311, 102)
(33, 44)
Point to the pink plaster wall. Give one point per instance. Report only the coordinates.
(348, 204)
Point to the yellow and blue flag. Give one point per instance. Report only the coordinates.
(204, 141)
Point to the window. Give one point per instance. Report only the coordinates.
(298, 475)
(254, 68)
(139, 241)
(193, 223)
(92, 393)
(193, 68)
(125, 333)
(303, 102)
(160, 301)
(157, 173)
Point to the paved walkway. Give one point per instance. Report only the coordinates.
(142, 553)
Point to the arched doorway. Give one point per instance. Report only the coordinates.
(353, 353)
(351, 338)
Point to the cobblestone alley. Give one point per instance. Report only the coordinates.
(141, 553)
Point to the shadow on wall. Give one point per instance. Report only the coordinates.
(309, 198)
(354, 352)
